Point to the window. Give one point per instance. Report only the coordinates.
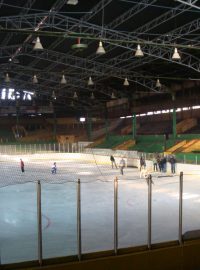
(82, 119)
(11, 94)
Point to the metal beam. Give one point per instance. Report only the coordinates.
(25, 9)
(190, 3)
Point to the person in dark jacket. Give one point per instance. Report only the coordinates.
(142, 163)
(54, 168)
(172, 161)
(112, 159)
(22, 165)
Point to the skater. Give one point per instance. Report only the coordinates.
(172, 161)
(112, 159)
(122, 165)
(155, 165)
(22, 165)
(164, 164)
(54, 168)
(142, 163)
(159, 163)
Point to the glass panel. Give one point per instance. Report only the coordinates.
(97, 216)
(132, 209)
(59, 219)
(191, 201)
(18, 223)
(165, 208)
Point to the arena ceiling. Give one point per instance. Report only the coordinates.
(159, 26)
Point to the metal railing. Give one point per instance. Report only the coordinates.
(149, 181)
(150, 191)
(23, 149)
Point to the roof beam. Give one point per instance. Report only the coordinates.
(77, 63)
(92, 67)
(25, 9)
(190, 3)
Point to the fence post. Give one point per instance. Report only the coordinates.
(181, 208)
(196, 160)
(184, 158)
(149, 181)
(39, 222)
(79, 240)
(116, 215)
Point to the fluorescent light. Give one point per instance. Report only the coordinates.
(72, 2)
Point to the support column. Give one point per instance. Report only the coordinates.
(174, 123)
(89, 127)
(54, 124)
(39, 222)
(116, 215)
(174, 116)
(106, 123)
(149, 236)
(79, 237)
(134, 124)
(180, 208)
(17, 118)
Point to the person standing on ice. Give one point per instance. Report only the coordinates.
(22, 165)
(112, 159)
(122, 165)
(54, 168)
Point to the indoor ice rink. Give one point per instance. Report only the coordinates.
(18, 203)
(85, 84)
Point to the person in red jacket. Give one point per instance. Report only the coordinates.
(22, 165)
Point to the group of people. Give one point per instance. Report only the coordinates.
(160, 163)
(122, 164)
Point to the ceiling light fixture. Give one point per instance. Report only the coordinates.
(92, 96)
(53, 95)
(35, 80)
(139, 52)
(34, 94)
(158, 84)
(72, 2)
(75, 95)
(100, 49)
(90, 82)
(126, 82)
(7, 78)
(38, 45)
(63, 80)
(79, 46)
(176, 55)
(113, 96)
